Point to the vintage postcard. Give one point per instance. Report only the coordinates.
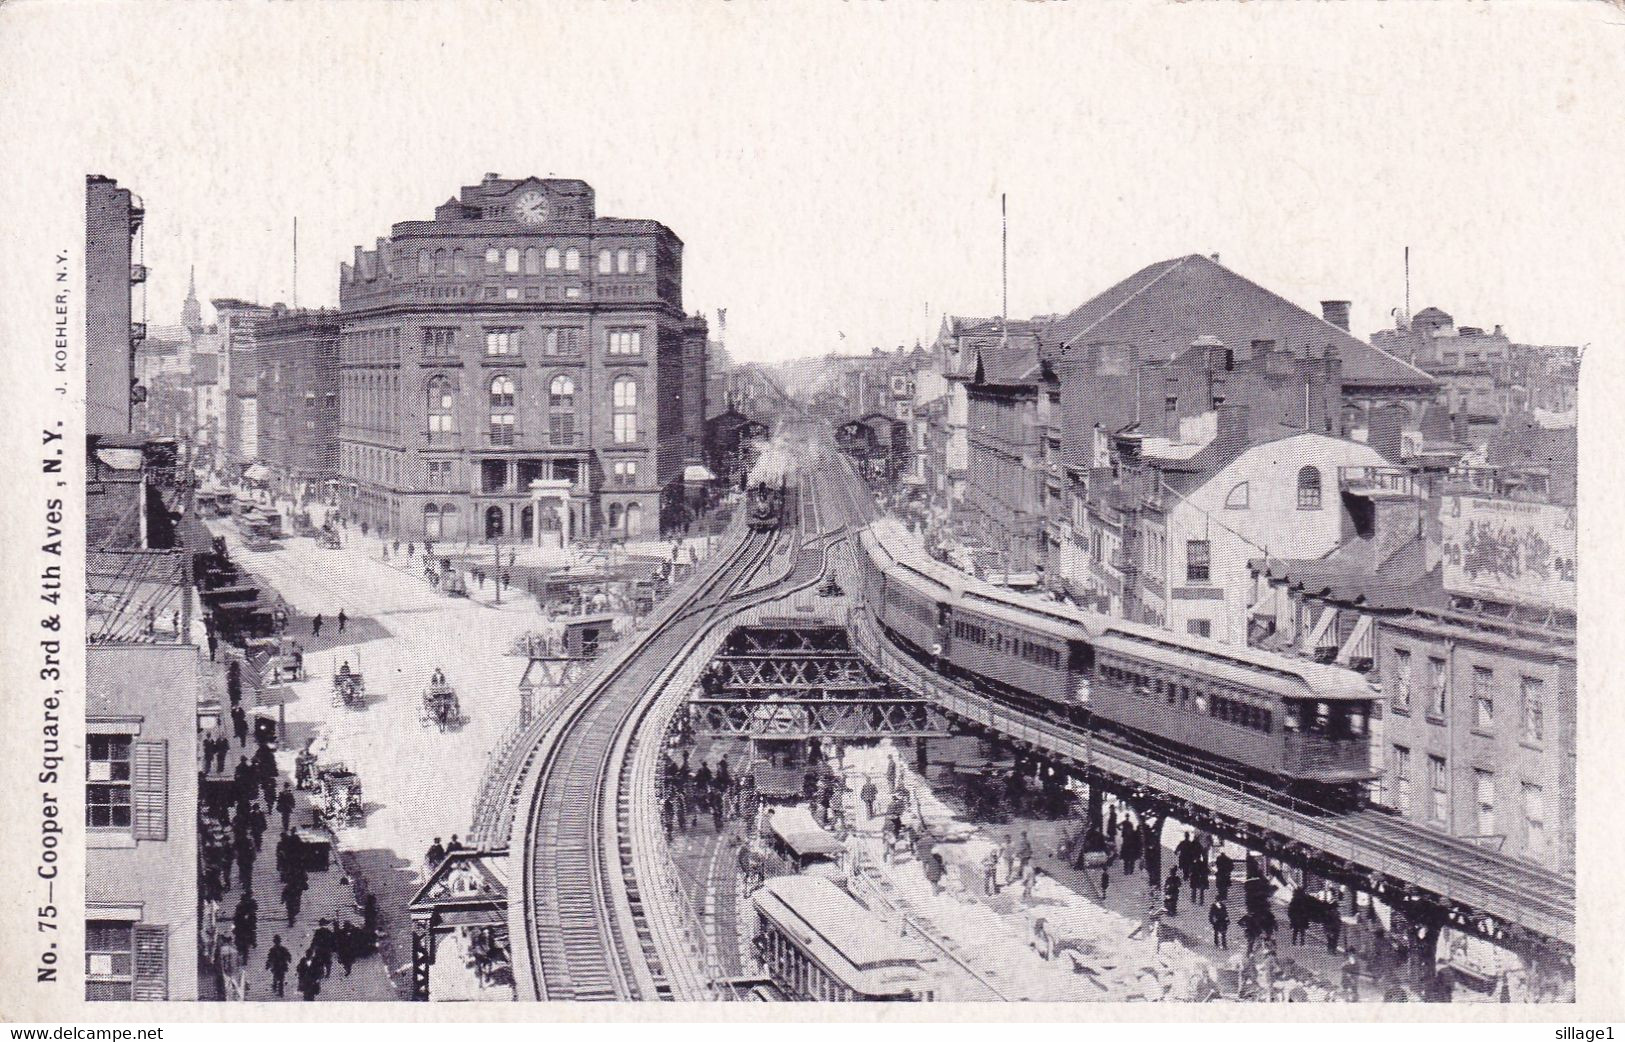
(682, 506)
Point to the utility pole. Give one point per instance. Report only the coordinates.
(1004, 272)
(296, 263)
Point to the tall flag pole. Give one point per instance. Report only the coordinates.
(1004, 272)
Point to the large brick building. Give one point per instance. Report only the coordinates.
(113, 218)
(297, 355)
(518, 337)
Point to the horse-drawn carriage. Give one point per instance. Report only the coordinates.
(338, 796)
(440, 704)
(286, 662)
(327, 539)
(349, 687)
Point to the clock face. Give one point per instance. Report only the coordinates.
(531, 207)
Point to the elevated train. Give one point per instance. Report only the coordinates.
(770, 488)
(1274, 720)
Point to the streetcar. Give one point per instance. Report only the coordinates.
(820, 945)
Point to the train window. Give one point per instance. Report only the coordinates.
(1356, 722)
(1293, 719)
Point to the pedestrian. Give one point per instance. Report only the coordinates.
(1024, 853)
(1170, 893)
(1297, 915)
(1131, 848)
(454, 845)
(1351, 979)
(716, 812)
(316, 625)
(229, 960)
(411, 550)
(293, 894)
(1218, 917)
(310, 978)
(868, 794)
(369, 923)
(343, 620)
(397, 548)
(1333, 925)
(436, 854)
(256, 825)
(1198, 880)
(245, 860)
(277, 960)
(322, 947)
(364, 527)
(891, 773)
(1222, 867)
(239, 724)
(1029, 879)
(284, 804)
(990, 872)
(1105, 879)
(344, 940)
(245, 924)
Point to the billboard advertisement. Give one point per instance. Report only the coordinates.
(1509, 551)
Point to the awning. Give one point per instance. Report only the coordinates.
(257, 472)
(1359, 643)
(696, 474)
(1317, 638)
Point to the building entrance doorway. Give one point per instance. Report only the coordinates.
(493, 523)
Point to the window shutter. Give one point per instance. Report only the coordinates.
(150, 790)
(151, 960)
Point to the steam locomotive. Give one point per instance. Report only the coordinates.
(769, 489)
(1282, 721)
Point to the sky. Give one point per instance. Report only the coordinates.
(837, 169)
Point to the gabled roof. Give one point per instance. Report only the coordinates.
(1162, 308)
(1351, 574)
(1007, 367)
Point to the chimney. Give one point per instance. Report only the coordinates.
(1230, 437)
(1396, 519)
(488, 178)
(1385, 432)
(1336, 312)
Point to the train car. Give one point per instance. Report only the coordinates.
(1286, 721)
(820, 945)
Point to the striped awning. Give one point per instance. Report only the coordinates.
(1358, 646)
(1322, 635)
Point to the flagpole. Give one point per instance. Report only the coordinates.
(1004, 272)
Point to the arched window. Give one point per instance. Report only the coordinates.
(459, 262)
(442, 398)
(431, 522)
(502, 398)
(552, 258)
(511, 261)
(634, 520)
(423, 262)
(1237, 499)
(533, 261)
(1309, 488)
(442, 262)
(625, 401)
(606, 262)
(561, 410)
(572, 259)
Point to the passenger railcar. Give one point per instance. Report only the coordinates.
(1285, 720)
(819, 945)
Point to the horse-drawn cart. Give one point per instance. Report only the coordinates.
(441, 706)
(349, 687)
(338, 796)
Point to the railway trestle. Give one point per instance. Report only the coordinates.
(798, 679)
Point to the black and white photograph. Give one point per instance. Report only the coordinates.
(703, 504)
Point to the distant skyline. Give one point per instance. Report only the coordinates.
(842, 174)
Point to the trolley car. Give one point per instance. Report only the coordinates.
(820, 945)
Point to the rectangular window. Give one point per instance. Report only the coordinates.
(1533, 696)
(502, 429)
(1197, 560)
(1402, 779)
(642, 262)
(108, 768)
(499, 342)
(1483, 699)
(1534, 818)
(1402, 680)
(1439, 688)
(1199, 628)
(109, 960)
(561, 343)
(623, 262)
(439, 343)
(1440, 781)
(606, 262)
(1484, 793)
(626, 474)
(626, 427)
(625, 341)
